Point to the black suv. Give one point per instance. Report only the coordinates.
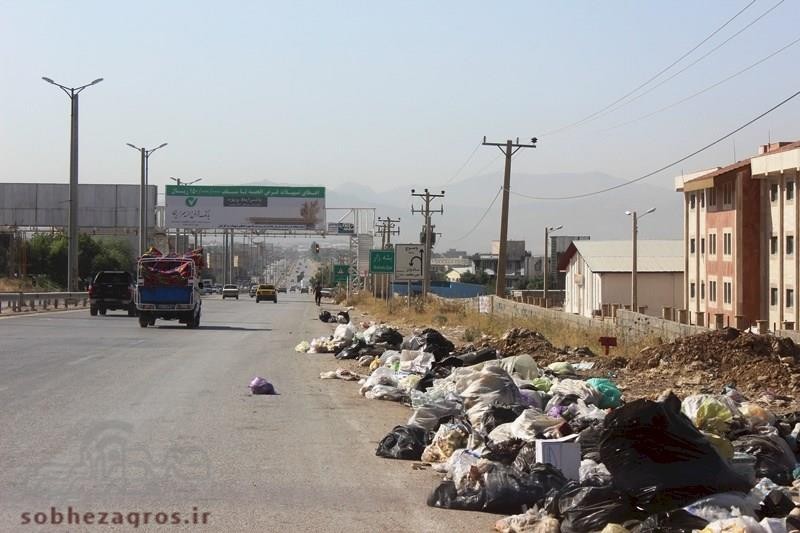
(112, 289)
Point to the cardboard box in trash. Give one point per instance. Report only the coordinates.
(563, 453)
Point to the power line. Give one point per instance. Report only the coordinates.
(469, 158)
(693, 63)
(665, 167)
(486, 212)
(698, 93)
(659, 73)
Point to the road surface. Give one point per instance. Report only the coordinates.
(102, 416)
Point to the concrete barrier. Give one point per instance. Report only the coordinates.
(18, 302)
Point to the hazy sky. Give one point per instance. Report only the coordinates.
(383, 93)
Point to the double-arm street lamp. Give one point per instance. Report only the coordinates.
(145, 153)
(634, 280)
(72, 251)
(547, 231)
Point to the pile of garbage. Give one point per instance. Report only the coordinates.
(559, 452)
(748, 361)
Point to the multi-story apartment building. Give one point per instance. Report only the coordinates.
(734, 242)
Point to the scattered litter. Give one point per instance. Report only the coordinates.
(259, 385)
(303, 347)
(341, 373)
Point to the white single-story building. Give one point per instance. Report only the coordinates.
(454, 275)
(599, 272)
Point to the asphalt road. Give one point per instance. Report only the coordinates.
(102, 416)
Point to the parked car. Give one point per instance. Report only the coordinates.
(112, 289)
(230, 291)
(266, 292)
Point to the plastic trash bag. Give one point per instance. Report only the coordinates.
(522, 365)
(742, 524)
(654, 453)
(615, 528)
(707, 413)
(533, 398)
(341, 373)
(448, 439)
(541, 384)
(529, 425)
(611, 395)
(429, 416)
(593, 474)
(721, 444)
(774, 458)
(325, 316)
(774, 501)
(755, 415)
(492, 386)
(403, 442)
(723, 505)
(303, 347)
(677, 521)
(561, 368)
(577, 388)
(386, 335)
(351, 352)
(386, 392)
(408, 383)
(584, 509)
(589, 439)
(469, 358)
(532, 521)
(496, 489)
(381, 376)
(581, 416)
(259, 385)
(343, 317)
(344, 332)
(365, 360)
(431, 341)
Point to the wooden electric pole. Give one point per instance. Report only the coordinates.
(509, 148)
(427, 198)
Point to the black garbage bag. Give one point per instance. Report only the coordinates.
(774, 458)
(589, 439)
(387, 335)
(351, 352)
(544, 474)
(469, 358)
(497, 415)
(433, 342)
(776, 504)
(503, 452)
(325, 316)
(678, 521)
(501, 489)
(583, 509)
(436, 372)
(403, 442)
(343, 317)
(655, 454)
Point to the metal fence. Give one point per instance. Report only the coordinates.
(16, 302)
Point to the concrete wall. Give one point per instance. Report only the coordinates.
(642, 326)
(655, 290)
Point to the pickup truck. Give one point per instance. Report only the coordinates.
(112, 290)
(168, 288)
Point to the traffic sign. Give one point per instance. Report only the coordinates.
(408, 266)
(341, 273)
(381, 261)
(341, 228)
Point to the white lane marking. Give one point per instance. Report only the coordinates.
(84, 358)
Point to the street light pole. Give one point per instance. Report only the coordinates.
(634, 272)
(72, 251)
(145, 156)
(547, 232)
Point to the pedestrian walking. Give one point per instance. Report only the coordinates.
(318, 294)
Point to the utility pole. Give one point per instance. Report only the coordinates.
(387, 227)
(634, 253)
(510, 149)
(547, 232)
(145, 169)
(427, 198)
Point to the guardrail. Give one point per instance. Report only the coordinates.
(17, 302)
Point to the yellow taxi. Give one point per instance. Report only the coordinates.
(266, 292)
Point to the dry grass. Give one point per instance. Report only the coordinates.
(465, 324)
(14, 285)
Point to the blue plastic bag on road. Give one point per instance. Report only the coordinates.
(259, 385)
(606, 387)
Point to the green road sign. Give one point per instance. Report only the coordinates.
(381, 261)
(341, 273)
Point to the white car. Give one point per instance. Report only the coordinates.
(230, 291)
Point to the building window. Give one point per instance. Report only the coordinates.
(691, 201)
(702, 290)
(727, 194)
(712, 196)
(691, 290)
(789, 190)
(712, 291)
(691, 245)
(773, 296)
(773, 245)
(789, 244)
(702, 245)
(702, 198)
(727, 244)
(773, 192)
(727, 289)
(712, 244)
(789, 297)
